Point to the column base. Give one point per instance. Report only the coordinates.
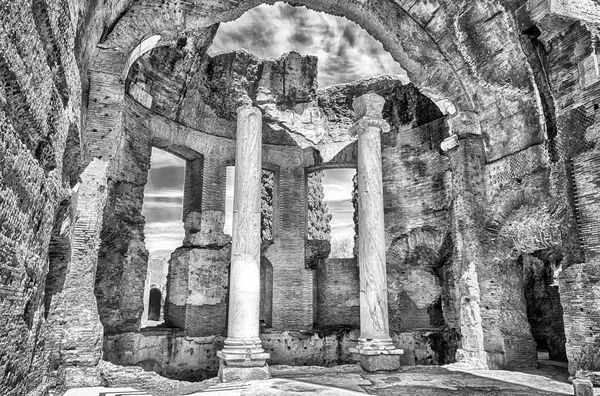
(243, 370)
(377, 355)
(243, 360)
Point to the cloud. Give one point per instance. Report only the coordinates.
(162, 159)
(166, 235)
(346, 52)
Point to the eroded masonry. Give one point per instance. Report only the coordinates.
(478, 226)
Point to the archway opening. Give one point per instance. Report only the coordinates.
(155, 305)
(544, 309)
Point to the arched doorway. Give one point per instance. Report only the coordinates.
(154, 304)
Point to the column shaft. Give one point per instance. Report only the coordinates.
(371, 238)
(375, 350)
(244, 287)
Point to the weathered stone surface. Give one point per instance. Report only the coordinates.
(316, 251)
(583, 387)
(205, 229)
(240, 373)
(382, 362)
(197, 290)
(338, 301)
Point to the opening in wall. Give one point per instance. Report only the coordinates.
(337, 186)
(544, 309)
(163, 208)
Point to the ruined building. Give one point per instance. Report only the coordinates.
(478, 224)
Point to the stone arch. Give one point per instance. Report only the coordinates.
(430, 64)
(404, 34)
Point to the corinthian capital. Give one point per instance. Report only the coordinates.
(368, 109)
(366, 122)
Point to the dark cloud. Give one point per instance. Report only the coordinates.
(346, 52)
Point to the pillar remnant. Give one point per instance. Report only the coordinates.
(583, 387)
(375, 350)
(243, 357)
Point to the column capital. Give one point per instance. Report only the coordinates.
(368, 109)
(366, 122)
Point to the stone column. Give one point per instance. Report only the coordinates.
(375, 350)
(243, 357)
(467, 157)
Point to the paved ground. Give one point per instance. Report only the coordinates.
(350, 380)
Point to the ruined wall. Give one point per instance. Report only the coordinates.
(465, 48)
(198, 277)
(40, 104)
(175, 355)
(337, 293)
(123, 258)
(573, 80)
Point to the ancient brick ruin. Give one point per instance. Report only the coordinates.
(478, 226)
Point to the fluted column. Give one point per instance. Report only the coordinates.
(375, 350)
(243, 356)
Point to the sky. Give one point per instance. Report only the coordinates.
(346, 53)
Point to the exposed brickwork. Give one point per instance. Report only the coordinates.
(337, 293)
(197, 290)
(123, 258)
(588, 202)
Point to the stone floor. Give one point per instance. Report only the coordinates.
(550, 379)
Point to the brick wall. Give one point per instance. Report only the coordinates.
(39, 102)
(123, 258)
(337, 293)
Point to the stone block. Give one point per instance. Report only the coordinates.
(592, 376)
(244, 371)
(380, 362)
(80, 377)
(197, 290)
(205, 229)
(583, 387)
